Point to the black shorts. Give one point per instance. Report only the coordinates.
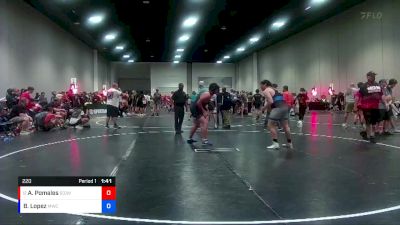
(195, 112)
(371, 116)
(384, 115)
(257, 105)
(112, 111)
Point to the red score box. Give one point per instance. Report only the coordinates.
(108, 193)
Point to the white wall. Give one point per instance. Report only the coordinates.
(104, 68)
(339, 50)
(167, 76)
(245, 74)
(212, 70)
(36, 52)
(131, 76)
(129, 70)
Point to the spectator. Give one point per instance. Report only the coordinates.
(226, 105)
(27, 97)
(11, 98)
(43, 99)
(53, 96)
(19, 114)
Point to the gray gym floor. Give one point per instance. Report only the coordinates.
(331, 172)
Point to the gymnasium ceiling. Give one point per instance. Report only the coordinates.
(153, 30)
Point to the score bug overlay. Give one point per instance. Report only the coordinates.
(66, 195)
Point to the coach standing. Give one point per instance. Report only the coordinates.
(113, 95)
(179, 98)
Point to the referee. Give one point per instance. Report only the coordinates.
(179, 98)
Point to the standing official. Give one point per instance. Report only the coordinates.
(179, 98)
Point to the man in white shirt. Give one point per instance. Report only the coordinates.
(113, 95)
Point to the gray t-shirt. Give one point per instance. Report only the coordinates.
(386, 92)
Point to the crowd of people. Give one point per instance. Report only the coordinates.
(371, 104)
(23, 112)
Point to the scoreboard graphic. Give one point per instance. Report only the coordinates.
(66, 195)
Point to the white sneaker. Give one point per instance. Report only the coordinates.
(344, 125)
(275, 145)
(396, 131)
(288, 145)
(299, 123)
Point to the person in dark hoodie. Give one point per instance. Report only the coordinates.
(11, 98)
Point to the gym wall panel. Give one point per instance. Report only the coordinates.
(245, 68)
(104, 72)
(212, 70)
(167, 76)
(36, 52)
(130, 70)
(341, 50)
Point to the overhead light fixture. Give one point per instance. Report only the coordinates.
(307, 8)
(190, 22)
(219, 61)
(119, 47)
(278, 24)
(110, 36)
(95, 19)
(180, 50)
(184, 37)
(131, 61)
(227, 57)
(317, 2)
(146, 2)
(254, 39)
(178, 56)
(126, 56)
(241, 49)
(176, 61)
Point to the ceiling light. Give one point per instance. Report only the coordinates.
(95, 19)
(308, 7)
(219, 61)
(110, 36)
(126, 56)
(176, 61)
(241, 49)
(146, 2)
(190, 22)
(119, 47)
(184, 37)
(227, 57)
(131, 61)
(316, 2)
(180, 50)
(278, 24)
(178, 56)
(254, 39)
